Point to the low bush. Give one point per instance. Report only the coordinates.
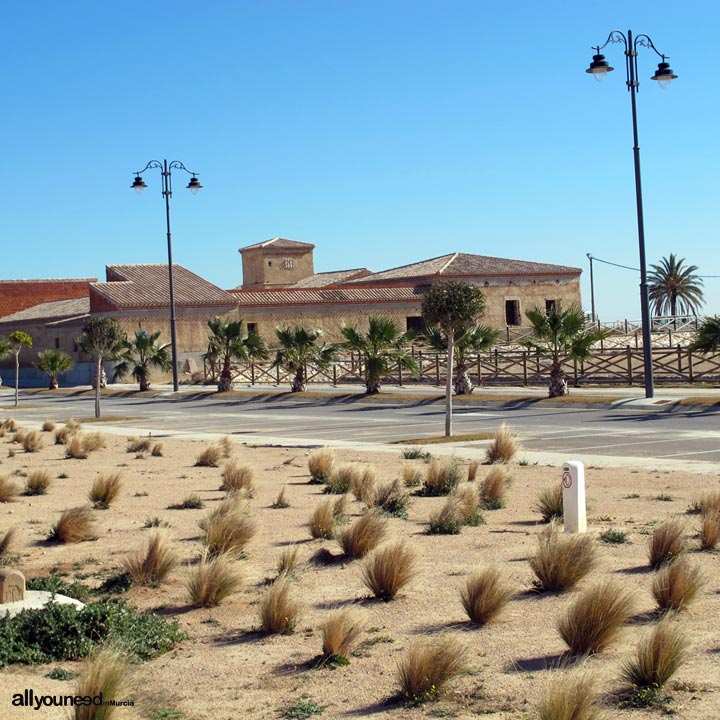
(104, 490)
(503, 447)
(212, 580)
(278, 611)
(415, 453)
(104, 674)
(37, 483)
(152, 566)
(389, 569)
(74, 525)
(485, 594)
(560, 560)
(53, 583)
(613, 536)
(549, 502)
(320, 465)
(666, 543)
(340, 633)
(191, 502)
(364, 535)
(570, 696)
(676, 585)
(441, 478)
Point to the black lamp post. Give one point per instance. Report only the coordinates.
(599, 68)
(592, 288)
(194, 186)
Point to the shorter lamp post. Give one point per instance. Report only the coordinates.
(194, 186)
(599, 68)
(592, 288)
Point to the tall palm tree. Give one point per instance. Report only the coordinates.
(471, 342)
(381, 347)
(53, 363)
(674, 288)
(300, 348)
(708, 337)
(229, 342)
(561, 334)
(143, 353)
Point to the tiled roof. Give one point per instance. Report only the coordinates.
(465, 265)
(16, 295)
(326, 296)
(280, 244)
(54, 310)
(147, 286)
(324, 279)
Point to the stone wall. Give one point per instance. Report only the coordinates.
(270, 267)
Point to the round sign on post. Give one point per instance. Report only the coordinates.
(574, 511)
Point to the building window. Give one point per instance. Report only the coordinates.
(288, 264)
(415, 324)
(550, 305)
(512, 312)
(57, 343)
(269, 263)
(252, 328)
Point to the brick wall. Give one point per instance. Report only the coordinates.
(16, 295)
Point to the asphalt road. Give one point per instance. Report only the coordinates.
(676, 434)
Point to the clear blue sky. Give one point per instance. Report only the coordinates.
(383, 131)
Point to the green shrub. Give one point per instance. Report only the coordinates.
(54, 584)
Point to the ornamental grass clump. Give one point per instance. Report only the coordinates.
(389, 569)
(288, 562)
(105, 675)
(37, 483)
(227, 529)
(412, 475)
(592, 621)
(494, 486)
(153, 565)
(340, 633)
(448, 520)
(210, 456)
(428, 666)
(343, 479)
(472, 470)
(364, 535)
(32, 442)
(281, 500)
(364, 485)
(212, 580)
(74, 525)
(9, 425)
(5, 542)
(485, 594)
(570, 696)
(560, 560)
(503, 447)
(278, 611)
(441, 478)
(8, 489)
(468, 504)
(139, 445)
(391, 498)
(709, 502)
(658, 657)
(677, 584)
(48, 426)
(666, 543)
(104, 490)
(549, 502)
(322, 521)
(320, 465)
(238, 479)
(709, 530)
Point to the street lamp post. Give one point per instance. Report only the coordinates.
(599, 68)
(194, 186)
(592, 288)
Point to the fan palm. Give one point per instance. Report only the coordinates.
(300, 348)
(53, 363)
(674, 288)
(142, 353)
(229, 342)
(708, 337)
(381, 347)
(561, 334)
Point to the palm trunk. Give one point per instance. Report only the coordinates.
(53, 383)
(98, 381)
(448, 383)
(299, 383)
(226, 382)
(17, 376)
(463, 383)
(558, 383)
(372, 386)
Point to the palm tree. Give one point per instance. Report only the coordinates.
(101, 338)
(471, 342)
(708, 337)
(228, 342)
(300, 348)
(142, 353)
(18, 341)
(53, 363)
(381, 347)
(561, 334)
(674, 288)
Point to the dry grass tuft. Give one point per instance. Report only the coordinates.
(494, 487)
(278, 611)
(74, 525)
(238, 479)
(288, 562)
(157, 450)
(74, 448)
(227, 529)
(364, 535)
(485, 595)
(66, 433)
(709, 502)
(104, 490)
(320, 465)
(19, 436)
(448, 520)
(666, 543)
(412, 476)
(561, 561)
(570, 696)
(391, 498)
(138, 444)
(9, 425)
(344, 478)
(549, 502)
(658, 656)
(322, 521)
(104, 674)
(48, 426)
(281, 500)
(6, 541)
(341, 632)
(676, 585)
(37, 483)
(468, 503)
(226, 445)
(428, 666)
(8, 489)
(441, 478)
(592, 621)
(210, 456)
(363, 485)
(212, 580)
(709, 530)
(504, 446)
(472, 470)
(152, 566)
(389, 569)
(93, 441)
(32, 442)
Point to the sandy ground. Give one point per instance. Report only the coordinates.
(227, 670)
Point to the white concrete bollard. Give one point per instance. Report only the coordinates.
(574, 510)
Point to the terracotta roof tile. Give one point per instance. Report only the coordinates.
(324, 279)
(325, 296)
(16, 295)
(51, 311)
(280, 244)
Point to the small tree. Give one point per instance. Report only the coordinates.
(561, 334)
(101, 339)
(53, 363)
(382, 346)
(5, 350)
(454, 308)
(18, 341)
(143, 352)
(300, 348)
(708, 336)
(229, 342)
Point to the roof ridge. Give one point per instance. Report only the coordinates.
(447, 264)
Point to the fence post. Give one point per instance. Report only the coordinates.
(691, 374)
(507, 330)
(637, 347)
(335, 374)
(525, 381)
(602, 344)
(479, 370)
(626, 326)
(575, 384)
(537, 365)
(437, 369)
(679, 349)
(669, 337)
(252, 373)
(496, 362)
(399, 373)
(629, 365)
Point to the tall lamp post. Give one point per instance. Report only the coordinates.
(592, 288)
(599, 68)
(194, 186)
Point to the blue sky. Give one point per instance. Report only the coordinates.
(385, 132)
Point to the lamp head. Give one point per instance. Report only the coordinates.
(138, 185)
(664, 74)
(599, 67)
(194, 185)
